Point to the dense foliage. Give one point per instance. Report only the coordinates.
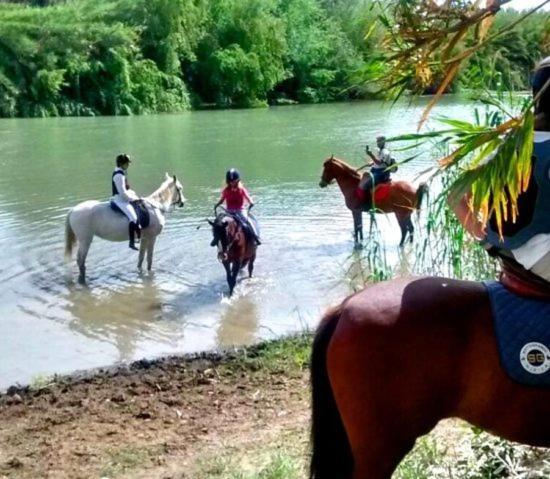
(89, 57)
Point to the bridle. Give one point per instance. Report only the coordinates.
(223, 245)
(177, 201)
(323, 182)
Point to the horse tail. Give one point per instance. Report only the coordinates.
(331, 453)
(420, 193)
(70, 238)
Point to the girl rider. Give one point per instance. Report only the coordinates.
(235, 195)
(123, 196)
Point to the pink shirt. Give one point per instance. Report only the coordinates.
(235, 198)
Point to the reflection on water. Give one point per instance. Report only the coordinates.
(238, 322)
(122, 317)
(306, 262)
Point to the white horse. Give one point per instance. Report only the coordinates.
(91, 218)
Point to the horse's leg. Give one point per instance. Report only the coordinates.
(227, 268)
(150, 248)
(410, 228)
(357, 225)
(403, 226)
(251, 265)
(235, 268)
(141, 255)
(83, 248)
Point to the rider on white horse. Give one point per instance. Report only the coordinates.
(123, 197)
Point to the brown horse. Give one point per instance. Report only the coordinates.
(394, 359)
(235, 248)
(401, 198)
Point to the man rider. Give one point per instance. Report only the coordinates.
(382, 167)
(123, 197)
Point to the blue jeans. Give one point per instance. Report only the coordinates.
(376, 177)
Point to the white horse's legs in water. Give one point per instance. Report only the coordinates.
(147, 246)
(83, 248)
(142, 249)
(150, 248)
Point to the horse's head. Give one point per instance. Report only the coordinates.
(329, 172)
(176, 191)
(222, 235)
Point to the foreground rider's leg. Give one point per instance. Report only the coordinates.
(132, 229)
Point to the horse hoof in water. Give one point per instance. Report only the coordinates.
(358, 246)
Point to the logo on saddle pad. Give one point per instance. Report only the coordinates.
(535, 358)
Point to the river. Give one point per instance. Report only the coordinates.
(50, 324)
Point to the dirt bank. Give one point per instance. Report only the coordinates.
(155, 419)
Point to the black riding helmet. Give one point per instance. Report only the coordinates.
(122, 159)
(540, 77)
(232, 175)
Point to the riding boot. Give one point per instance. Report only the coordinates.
(132, 229)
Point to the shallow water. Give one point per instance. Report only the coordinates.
(49, 324)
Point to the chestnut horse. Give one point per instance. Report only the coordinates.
(235, 249)
(402, 198)
(394, 359)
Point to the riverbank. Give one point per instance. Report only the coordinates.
(177, 417)
(242, 414)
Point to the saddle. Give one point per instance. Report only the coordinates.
(381, 192)
(141, 211)
(522, 328)
(246, 227)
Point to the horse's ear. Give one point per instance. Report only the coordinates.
(332, 156)
(167, 176)
(211, 223)
(174, 178)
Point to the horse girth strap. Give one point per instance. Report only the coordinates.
(522, 282)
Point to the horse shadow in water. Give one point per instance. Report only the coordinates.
(235, 249)
(402, 198)
(124, 316)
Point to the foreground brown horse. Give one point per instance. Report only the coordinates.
(402, 198)
(235, 250)
(394, 359)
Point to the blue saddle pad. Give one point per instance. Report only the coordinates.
(522, 327)
(141, 211)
